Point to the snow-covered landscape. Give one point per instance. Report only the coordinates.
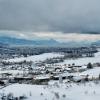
(84, 61)
(35, 58)
(49, 49)
(71, 79)
(65, 91)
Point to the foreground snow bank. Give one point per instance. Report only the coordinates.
(87, 91)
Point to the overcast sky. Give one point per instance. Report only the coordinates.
(57, 19)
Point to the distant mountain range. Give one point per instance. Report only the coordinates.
(96, 43)
(49, 42)
(16, 41)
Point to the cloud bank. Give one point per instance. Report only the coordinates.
(52, 35)
(49, 18)
(50, 15)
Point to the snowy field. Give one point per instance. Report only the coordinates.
(83, 61)
(34, 58)
(42, 57)
(87, 91)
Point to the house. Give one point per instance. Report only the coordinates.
(77, 78)
(41, 79)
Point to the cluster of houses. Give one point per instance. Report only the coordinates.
(43, 71)
(40, 73)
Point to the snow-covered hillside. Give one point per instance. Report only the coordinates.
(41, 57)
(83, 61)
(88, 91)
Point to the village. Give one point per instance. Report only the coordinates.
(65, 67)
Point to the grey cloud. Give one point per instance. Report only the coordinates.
(50, 15)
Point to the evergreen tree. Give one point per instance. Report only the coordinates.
(89, 65)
